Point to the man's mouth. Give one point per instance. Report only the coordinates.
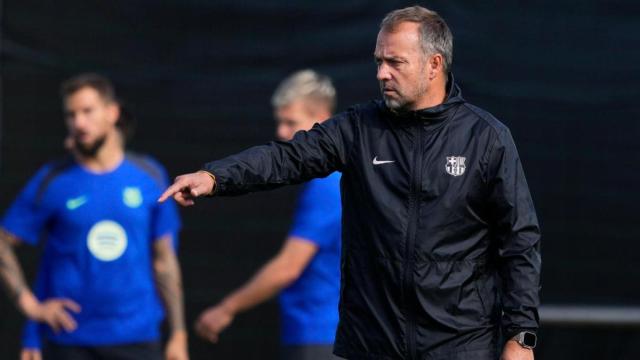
(81, 137)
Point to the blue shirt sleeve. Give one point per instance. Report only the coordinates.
(319, 211)
(28, 214)
(32, 335)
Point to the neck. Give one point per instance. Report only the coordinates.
(108, 157)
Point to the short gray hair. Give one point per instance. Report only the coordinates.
(305, 84)
(435, 35)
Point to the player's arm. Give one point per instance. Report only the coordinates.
(310, 154)
(168, 279)
(282, 270)
(53, 311)
(12, 275)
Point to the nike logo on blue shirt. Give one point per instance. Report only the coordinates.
(75, 203)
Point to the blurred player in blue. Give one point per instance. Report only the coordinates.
(306, 271)
(109, 261)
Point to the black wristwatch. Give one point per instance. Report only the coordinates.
(526, 339)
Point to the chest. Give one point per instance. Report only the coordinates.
(77, 204)
(444, 163)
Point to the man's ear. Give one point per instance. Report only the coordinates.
(113, 111)
(435, 65)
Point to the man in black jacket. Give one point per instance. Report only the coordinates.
(440, 236)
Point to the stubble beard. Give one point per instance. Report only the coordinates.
(402, 103)
(90, 150)
(394, 104)
(397, 103)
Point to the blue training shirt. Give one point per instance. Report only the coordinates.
(309, 307)
(100, 229)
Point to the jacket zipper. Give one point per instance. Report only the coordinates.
(409, 283)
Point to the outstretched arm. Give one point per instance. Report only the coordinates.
(310, 154)
(168, 279)
(277, 274)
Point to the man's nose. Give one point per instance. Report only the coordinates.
(383, 72)
(77, 121)
(282, 133)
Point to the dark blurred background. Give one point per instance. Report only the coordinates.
(564, 76)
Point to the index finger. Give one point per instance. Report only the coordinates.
(171, 190)
(200, 329)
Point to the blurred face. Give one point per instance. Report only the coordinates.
(90, 119)
(402, 67)
(296, 116)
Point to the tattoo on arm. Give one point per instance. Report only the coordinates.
(10, 271)
(168, 281)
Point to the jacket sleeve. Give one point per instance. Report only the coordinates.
(515, 225)
(310, 154)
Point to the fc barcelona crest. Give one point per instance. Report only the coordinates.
(455, 165)
(132, 197)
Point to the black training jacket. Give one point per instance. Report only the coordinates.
(441, 244)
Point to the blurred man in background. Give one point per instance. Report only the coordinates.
(307, 269)
(109, 259)
(441, 243)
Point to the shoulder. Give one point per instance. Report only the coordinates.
(49, 172)
(484, 119)
(57, 166)
(148, 166)
(494, 133)
(368, 110)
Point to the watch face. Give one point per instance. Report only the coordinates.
(529, 339)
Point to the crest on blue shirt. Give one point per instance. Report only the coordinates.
(132, 196)
(455, 165)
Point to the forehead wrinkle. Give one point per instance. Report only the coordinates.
(388, 48)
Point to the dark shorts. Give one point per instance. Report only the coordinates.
(146, 351)
(308, 352)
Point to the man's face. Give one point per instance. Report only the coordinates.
(89, 119)
(296, 116)
(402, 66)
